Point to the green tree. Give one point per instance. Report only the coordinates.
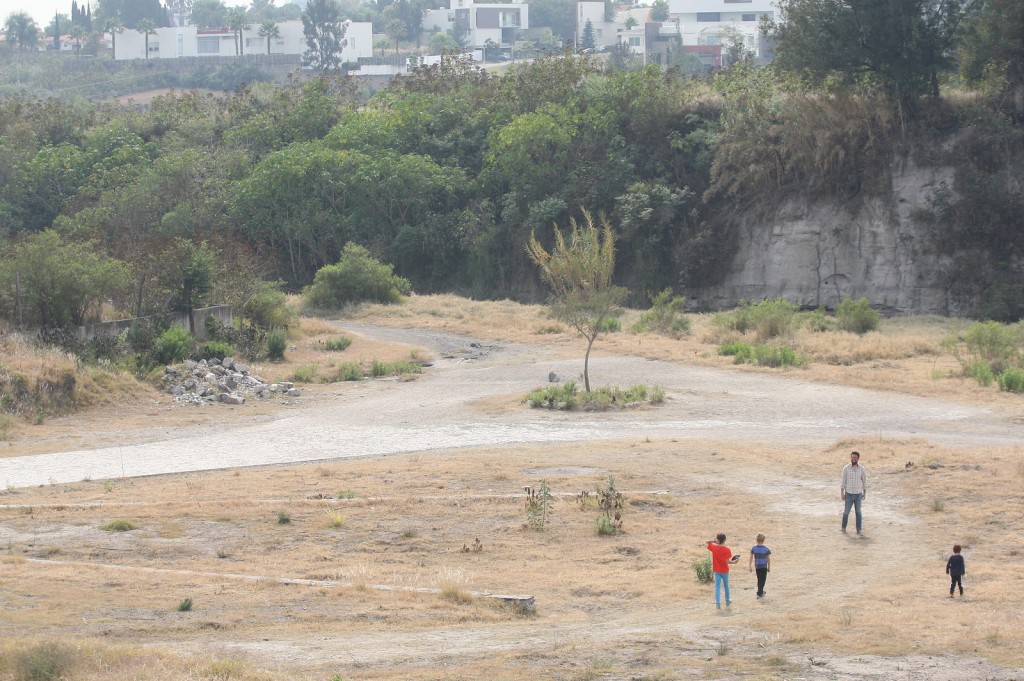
(62, 283)
(992, 53)
(77, 32)
(209, 13)
(579, 270)
(195, 277)
(900, 46)
(588, 35)
(659, 10)
(147, 28)
(131, 12)
(238, 21)
(270, 31)
(325, 33)
(357, 277)
(630, 22)
(114, 26)
(395, 30)
(558, 15)
(439, 42)
(21, 30)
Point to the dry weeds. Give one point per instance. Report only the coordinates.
(370, 579)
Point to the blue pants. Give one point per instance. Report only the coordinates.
(720, 579)
(854, 501)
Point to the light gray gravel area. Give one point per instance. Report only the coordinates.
(437, 411)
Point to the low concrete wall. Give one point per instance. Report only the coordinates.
(222, 313)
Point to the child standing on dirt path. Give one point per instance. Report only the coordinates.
(761, 560)
(720, 557)
(956, 570)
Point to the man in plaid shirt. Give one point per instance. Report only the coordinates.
(853, 488)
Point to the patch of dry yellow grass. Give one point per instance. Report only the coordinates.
(397, 566)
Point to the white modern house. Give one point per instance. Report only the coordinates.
(627, 26)
(190, 41)
(499, 23)
(704, 21)
(697, 27)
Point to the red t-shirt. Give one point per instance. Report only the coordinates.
(720, 556)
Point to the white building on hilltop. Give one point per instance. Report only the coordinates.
(190, 41)
(499, 23)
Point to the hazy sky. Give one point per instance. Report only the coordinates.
(43, 10)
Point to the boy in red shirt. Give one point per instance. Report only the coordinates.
(720, 557)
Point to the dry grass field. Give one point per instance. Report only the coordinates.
(386, 567)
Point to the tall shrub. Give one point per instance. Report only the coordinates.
(357, 277)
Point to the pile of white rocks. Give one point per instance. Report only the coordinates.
(214, 380)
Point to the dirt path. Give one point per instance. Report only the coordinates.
(471, 398)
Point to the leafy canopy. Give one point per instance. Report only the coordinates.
(579, 270)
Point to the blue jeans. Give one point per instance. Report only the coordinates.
(854, 501)
(720, 579)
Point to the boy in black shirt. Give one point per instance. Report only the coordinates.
(956, 570)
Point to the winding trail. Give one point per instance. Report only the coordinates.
(381, 417)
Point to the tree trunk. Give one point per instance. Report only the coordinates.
(586, 362)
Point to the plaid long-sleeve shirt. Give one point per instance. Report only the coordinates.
(855, 480)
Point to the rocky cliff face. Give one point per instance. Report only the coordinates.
(818, 251)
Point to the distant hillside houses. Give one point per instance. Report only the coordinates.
(694, 27)
(191, 41)
(481, 23)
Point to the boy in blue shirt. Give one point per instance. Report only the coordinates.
(761, 561)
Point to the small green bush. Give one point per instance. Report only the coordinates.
(357, 277)
(215, 349)
(283, 517)
(337, 344)
(119, 526)
(610, 325)
(665, 317)
(856, 316)
(702, 568)
(173, 345)
(982, 373)
(553, 396)
(657, 394)
(348, 371)
(48, 661)
(765, 319)
(738, 349)
(304, 374)
(185, 605)
(818, 321)
(604, 526)
(277, 343)
(379, 368)
(777, 356)
(996, 344)
(268, 307)
(1012, 380)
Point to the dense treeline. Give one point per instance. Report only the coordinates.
(447, 172)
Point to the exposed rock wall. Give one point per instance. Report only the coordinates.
(817, 251)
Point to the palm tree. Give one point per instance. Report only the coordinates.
(77, 32)
(21, 29)
(269, 30)
(113, 26)
(238, 21)
(147, 28)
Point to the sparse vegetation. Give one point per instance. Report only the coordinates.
(611, 503)
(856, 316)
(702, 569)
(666, 316)
(185, 605)
(120, 525)
(538, 505)
(566, 397)
(337, 344)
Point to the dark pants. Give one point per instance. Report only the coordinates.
(956, 581)
(762, 575)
